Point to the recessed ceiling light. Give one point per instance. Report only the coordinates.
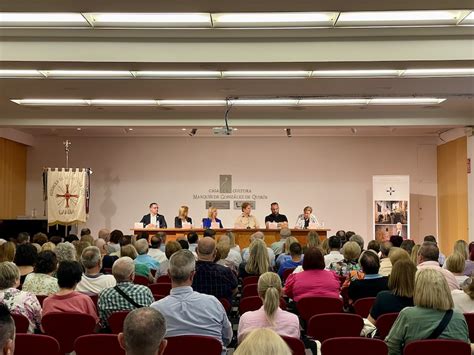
(274, 19)
(149, 19)
(42, 19)
(79, 129)
(130, 129)
(183, 129)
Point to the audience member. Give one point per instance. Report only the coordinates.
(114, 241)
(263, 341)
(270, 315)
(18, 302)
(408, 245)
(56, 239)
(223, 250)
(192, 240)
(433, 302)
(140, 269)
(277, 246)
(233, 245)
(211, 278)
(313, 240)
(358, 239)
(22, 238)
(67, 299)
(71, 238)
(65, 252)
(184, 244)
(397, 254)
(401, 285)
(334, 251)
(313, 280)
(7, 251)
(374, 245)
(93, 281)
(414, 253)
(85, 231)
(25, 259)
(41, 282)
(125, 295)
(188, 312)
(246, 251)
(171, 248)
(137, 339)
(285, 254)
(49, 246)
(141, 246)
(432, 239)
(7, 331)
(385, 263)
(234, 254)
(88, 239)
(154, 251)
(456, 264)
(211, 233)
(428, 257)
(295, 260)
(258, 262)
(104, 234)
(464, 299)
(80, 246)
(351, 252)
(469, 269)
(396, 240)
(40, 238)
(102, 245)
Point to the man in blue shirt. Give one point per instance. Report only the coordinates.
(294, 260)
(143, 258)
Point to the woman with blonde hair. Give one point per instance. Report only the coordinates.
(182, 217)
(460, 246)
(456, 263)
(211, 218)
(7, 251)
(263, 342)
(270, 315)
(48, 246)
(414, 254)
(258, 262)
(433, 304)
(312, 240)
(395, 254)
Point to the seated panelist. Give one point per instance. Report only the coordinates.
(182, 217)
(153, 219)
(211, 218)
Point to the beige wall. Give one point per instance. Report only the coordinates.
(332, 174)
(452, 193)
(12, 178)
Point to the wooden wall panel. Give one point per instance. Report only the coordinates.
(452, 193)
(12, 178)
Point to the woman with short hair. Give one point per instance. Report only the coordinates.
(41, 281)
(456, 264)
(433, 301)
(270, 315)
(306, 218)
(351, 252)
(211, 218)
(25, 259)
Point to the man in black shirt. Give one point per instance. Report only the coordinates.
(276, 217)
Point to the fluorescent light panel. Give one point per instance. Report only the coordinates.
(52, 102)
(176, 74)
(468, 20)
(87, 74)
(149, 19)
(332, 102)
(20, 73)
(439, 72)
(355, 73)
(274, 19)
(192, 102)
(106, 102)
(42, 19)
(406, 101)
(269, 74)
(264, 102)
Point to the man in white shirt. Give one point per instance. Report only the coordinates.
(334, 255)
(155, 252)
(428, 258)
(246, 253)
(93, 281)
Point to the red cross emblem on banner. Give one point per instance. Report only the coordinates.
(67, 196)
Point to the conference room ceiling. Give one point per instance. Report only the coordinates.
(282, 49)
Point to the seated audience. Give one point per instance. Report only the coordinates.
(41, 282)
(18, 302)
(22, 238)
(65, 252)
(40, 238)
(211, 278)
(455, 264)
(234, 253)
(263, 341)
(312, 240)
(469, 269)
(464, 299)
(7, 251)
(141, 246)
(171, 248)
(334, 254)
(356, 238)
(351, 253)
(140, 269)
(80, 246)
(211, 233)
(188, 312)
(414, 253)
(270, 315)
(257, 263)
(396, 240)
(372, 283)
(184, 244)
(102, 245)
(374, 245)
(295, 260)
(192, 240)
(7, 331)
(261, 236)
(155, 251)
(67, 299)
(93, 281)
(433, 301)
(113, 245)
(408, 245)
(223, 249)
(397, 254)
(313, 280)
(285, 252)
(136, 338)
(25, 259)
(432, 239)
(428, 256)
(125, 295)
(277, 247)
(233, 245)
(401, 285)
(385, 263)
(49, 246)
(104, 234)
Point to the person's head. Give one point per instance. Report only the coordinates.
(396, 240)
(142, 246)
(7, 331)
(275, 208)
(325, 246)
(402, 278)
(296, 250)
(40, 238)
(80, 246)
(460, 246)
(432, 290)
(456, 263)
(9, 275)
(65, 252)
(71, 238)
(428, 252)
(269, 290)
(206, 249)
(341, 234)
(469, 288)
(396, 254)
(69, 274)
(137, 339)
(123, 269)
(115, 236)
(7, 251)
(414, 253)
(211, 233)
(313, 259)
(129, 250)
(212, 213)
(155, 242)
(56, 239)
(182, 268)
(358, 239)
(183, 212)
(258, 262)
(351, 251)
(104, 234)
(184, 243)
(172, 247)
(125, 240)
(334, 243)
(285, 233)
(25, 255)
(231, 239)
(263, 341)
(369, 262)
(162, 236)
(307, 211)
(49, 246)
(91, 258)
(85, 231)
(385, 249)
(87, 238)
(223, 249)
(246, 208)
(430, 238)
(408, 245)
(193, 237)
(102, 245)
(349, 234)
(257, 235)
(313, 239)
(287, 243)
(46, 263)
(374, 245)
(22, 238)
(153, 208)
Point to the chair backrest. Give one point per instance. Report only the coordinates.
(42, 345)
(287, 273)
(116, 320)
(158, 297)
(98, 344)
(66, 327)
(470, 324)
(437, 346)
(334, 325)
(226, 304)
(310, 306)
(251, 303)
(164, 279)
(384, 324)
(200, 345)
(107, 270)
(249, 280)
(21, 323)
(160, 288)
(141, 280)
(41, 299)
(95, 299)
(250, 290)
(354, 346)
(295, 344)
(363, 305)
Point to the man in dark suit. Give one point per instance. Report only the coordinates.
(153, 218)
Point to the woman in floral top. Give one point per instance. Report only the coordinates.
(351, 252)
(40, 282)
(18, 302)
